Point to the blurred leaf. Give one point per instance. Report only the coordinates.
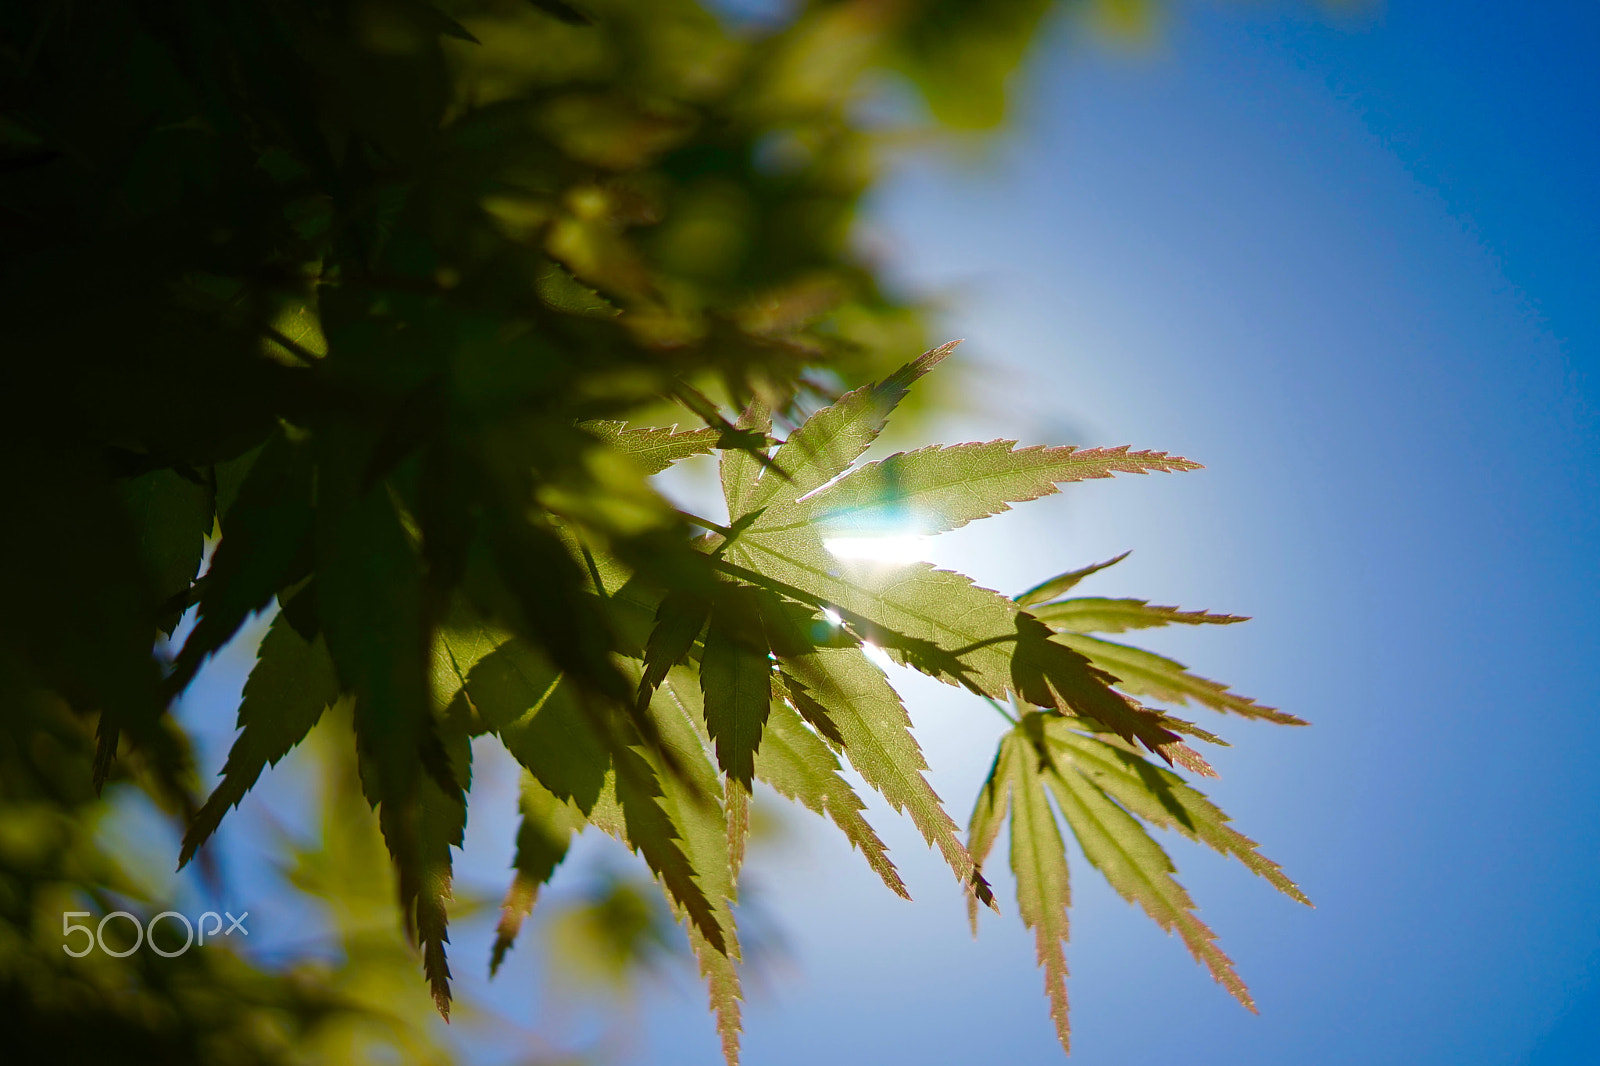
(617, 930)
(543, 838)
(564, 11)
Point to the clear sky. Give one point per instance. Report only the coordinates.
(1350, 265)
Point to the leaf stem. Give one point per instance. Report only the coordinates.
(1001, 711)
(706, 523)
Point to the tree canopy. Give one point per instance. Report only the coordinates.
(383, 314)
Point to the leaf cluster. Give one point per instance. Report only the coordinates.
(384, 300)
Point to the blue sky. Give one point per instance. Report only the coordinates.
(1349, 264)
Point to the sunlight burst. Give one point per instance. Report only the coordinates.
(900, 549)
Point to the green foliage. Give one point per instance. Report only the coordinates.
(58, 854)
(386, 298)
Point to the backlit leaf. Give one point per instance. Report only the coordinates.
(944, 487)
(690, 801)
(292, 683)
(1062, 583)
(853, 693)
(1094, 614)
(988, 815)
(265, 546)
(736, 679)
(1161, 797)
(796, 762)
(1039, 861)
(740, 468)
(1145, 673)
(679, 621)
(442, 822)
(1137, 867)
(654, 449)
(834, 437)
(543, 837)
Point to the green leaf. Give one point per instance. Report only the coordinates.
(1162, 798)
(850, 690)
(676, 821)
(736, 679)
(690, 802)
(800, 766)
(564, 12)
(1039, 861)
(652, 448)
(835, 436)
(1077, 688)
(543, 837)
(520, 696)
(545, 725)
(679, 620)
(736, 803)
(962, 58)
(370, 601)
(1100, 787)
(561, 291)
(752, 435)
(935, 620)
(1140, 871)
(442, 822)
(1093, 614)
(369, 597)
(171, 517)
(557, 612)
(943, 624)
(740, 468)
(1056, 586)
(265, 546)
(988, 815)
(463, 640)
(1145, 673)
(944, 487)
(1189, 729)
(292, 683)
